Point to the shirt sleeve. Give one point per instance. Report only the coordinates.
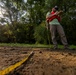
(48, 14)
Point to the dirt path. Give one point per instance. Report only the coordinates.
(46, 62)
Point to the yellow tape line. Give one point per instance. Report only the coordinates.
(11, 68)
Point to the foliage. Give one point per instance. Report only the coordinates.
(23, 33)
(25, 22)
(41, 34)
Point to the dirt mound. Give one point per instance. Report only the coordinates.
(44, 62)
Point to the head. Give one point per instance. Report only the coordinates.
(55, 8)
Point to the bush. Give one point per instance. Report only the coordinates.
(40, 34)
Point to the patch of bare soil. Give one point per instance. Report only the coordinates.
(43, 62)
(10, 55)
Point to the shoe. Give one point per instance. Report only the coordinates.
(55, 48)
(68, 48)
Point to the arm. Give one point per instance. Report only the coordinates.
(59, 12)
(56, 13)
(50, 15)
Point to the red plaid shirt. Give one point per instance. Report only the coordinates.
(53, 17)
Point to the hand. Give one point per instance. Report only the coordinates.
(58, 12)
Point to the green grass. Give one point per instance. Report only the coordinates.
(32, 45)
(73, 46)
(24, 45)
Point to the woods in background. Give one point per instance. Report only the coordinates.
(25, 22)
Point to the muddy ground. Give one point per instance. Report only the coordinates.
(44, 61)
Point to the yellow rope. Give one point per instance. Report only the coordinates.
(12, 67)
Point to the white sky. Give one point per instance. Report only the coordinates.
(0, 9)
(0, 13)
(25, 0)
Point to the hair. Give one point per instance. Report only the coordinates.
(56, 7)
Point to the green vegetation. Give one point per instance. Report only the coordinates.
(25, 45)
(30, 28)
(31, 45)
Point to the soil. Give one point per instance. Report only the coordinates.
(44, 61)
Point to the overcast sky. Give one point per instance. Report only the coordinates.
(25, 0)
(0, 9)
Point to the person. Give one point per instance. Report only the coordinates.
(53, 19)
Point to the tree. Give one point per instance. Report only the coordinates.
(68, 17)
(11, 10)
(26, 19)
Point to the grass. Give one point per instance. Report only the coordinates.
(32, 45)
(24, 45)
